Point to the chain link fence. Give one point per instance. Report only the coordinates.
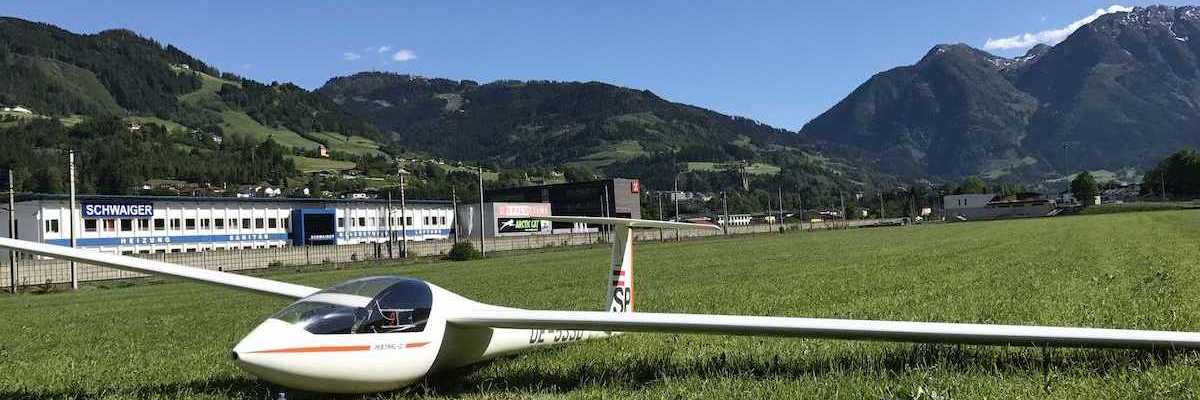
(33, 271)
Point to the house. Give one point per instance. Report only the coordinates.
(322, 151)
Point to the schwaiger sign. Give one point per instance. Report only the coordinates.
(118, 210)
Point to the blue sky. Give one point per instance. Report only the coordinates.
(780, 62)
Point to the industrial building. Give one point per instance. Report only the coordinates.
(503, 219)
(152, 224)
(971, 207)
(616, 197)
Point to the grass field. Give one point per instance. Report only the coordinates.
(1130, 270)
(309, 165)
(348, 144)
(753, 169)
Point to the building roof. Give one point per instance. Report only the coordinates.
(116, 198)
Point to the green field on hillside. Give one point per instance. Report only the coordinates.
(348, 144)
(1130, 270)
(309, 165)
(753, 169)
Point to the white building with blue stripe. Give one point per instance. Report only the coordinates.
(156, 224)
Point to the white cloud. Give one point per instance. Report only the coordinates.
(351, 56)
(1051, 37)
(404, 55)
(383, 49)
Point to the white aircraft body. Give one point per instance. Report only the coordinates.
(383, 333)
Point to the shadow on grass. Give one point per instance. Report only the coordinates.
(634, 371)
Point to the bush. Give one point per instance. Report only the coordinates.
(463, 251)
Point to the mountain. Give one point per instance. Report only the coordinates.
(1118, 94)
(136, 110)
(94, 92)
(583, 124)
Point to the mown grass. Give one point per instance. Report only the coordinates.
(1130, 270)
(309, 165)
(356, 145)
(753, 169)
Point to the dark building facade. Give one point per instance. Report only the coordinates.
(616, 197)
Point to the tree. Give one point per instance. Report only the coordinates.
(1084, 187)
(972, 185)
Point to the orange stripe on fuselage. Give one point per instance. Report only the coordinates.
(316, 349)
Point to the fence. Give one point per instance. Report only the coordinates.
(35, 271)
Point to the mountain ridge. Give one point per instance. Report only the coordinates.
(1118, 93)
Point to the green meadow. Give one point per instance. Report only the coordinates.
(167, 339)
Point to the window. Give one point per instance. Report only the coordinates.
(353, 222)
(127, 225)
(285, 222)
(174, 250)
(160, 224)
(143, 224)
(362, 221)
(426, 220)
(110, 225)
(407, 221)
(245, 223)
(443, 220)
(220, 223)
(52, 226)
(233, 223)
(258, 223)
(272, 223)
(341, 222)
(89, 225)
(190, 224)
(206, 223)
(175, 224)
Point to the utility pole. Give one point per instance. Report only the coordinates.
(725, 210)
(842, 199)
(391, 233)
(661, 237)
(74, 270)
(482, 250)
(1162, 182)
(781, 216)
(12, 232)
(881, 206)
(454, 204)
(605, 212)
(403, 217)
(675, 197)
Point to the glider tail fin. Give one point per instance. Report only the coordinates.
(620, 274)
(620, 283)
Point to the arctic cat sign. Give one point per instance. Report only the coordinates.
(513, 225)
(118, 210)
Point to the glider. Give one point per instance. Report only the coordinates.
(383, 333)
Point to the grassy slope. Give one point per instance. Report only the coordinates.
(620, 151)
(309, 164)
(348, 144)
(1133, 270)
(237, 122)
(753, 169)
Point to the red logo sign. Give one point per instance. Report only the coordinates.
(635, 186)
